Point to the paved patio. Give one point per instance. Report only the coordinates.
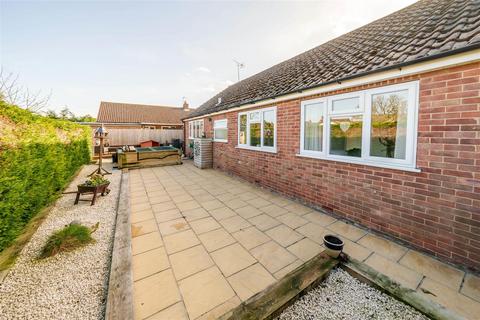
(204, 241)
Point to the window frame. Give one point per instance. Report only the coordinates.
(365, 109)
(225, 126)
(192, 128)
(304, 104)
(262, 147)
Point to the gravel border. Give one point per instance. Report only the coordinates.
(70, 285)
(342, 296)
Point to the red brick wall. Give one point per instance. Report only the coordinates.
(437, 210)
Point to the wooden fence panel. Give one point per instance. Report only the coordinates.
(120, 137)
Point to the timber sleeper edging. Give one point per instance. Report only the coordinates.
(409, 296)
(275, 298)
(119, 304)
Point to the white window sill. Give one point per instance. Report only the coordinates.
(269, 150)
(361, 162)
(222, 141)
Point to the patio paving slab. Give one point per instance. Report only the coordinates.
(264, 222)
(195, 214)
(173, 226)
(248, 212)
(274, 210)
(143, 227)
(177, 312)
(148, 263)
(284, 235)
(234, 224)
(292, 220)
(251, 237)
(449, 298)
(273, 256)
(403, 275)
(383, 247)
(146, 242)
(248, 282)
(319, 218)
(204, 291)
(433, 269)
(471, 287)
(216, 239)
(203, 242)
(204, 225)
(180, 241)
(347, 230)
(155, 293)
(168, 215)
(190, 261)
(143, 215)
(222, 213)
(305, 249)
(232, 259)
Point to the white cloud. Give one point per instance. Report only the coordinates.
(203, 69)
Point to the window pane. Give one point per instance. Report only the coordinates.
(313, 127)
(220, 124)
(243, 129)
(346, 105)
(255, 131)
(200, 133)
(254, 116)
(389, 125)
(268, 128)
(346, 136)
(221, 134)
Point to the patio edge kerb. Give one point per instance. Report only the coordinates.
(120, 284)
(408, 296)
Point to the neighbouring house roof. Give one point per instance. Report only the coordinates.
(426, 30)
(113, 112)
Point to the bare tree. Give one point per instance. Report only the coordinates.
(15, 94)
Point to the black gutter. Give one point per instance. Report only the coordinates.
(366, 73)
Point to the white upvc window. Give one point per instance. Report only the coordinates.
(375, 127)
(220, 130)
(257, 129)
(195, 129)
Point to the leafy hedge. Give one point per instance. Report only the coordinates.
(38, 156)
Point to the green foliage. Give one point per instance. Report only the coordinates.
(38, 157)
(96, 180)
(66, 114)
(67, 239)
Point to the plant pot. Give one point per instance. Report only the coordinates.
(333, 245)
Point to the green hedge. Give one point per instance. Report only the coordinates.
(38, 157)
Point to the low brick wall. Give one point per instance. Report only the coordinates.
(436, 210)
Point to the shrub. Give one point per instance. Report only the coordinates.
(67, 239)
(38, 157)
(95, 180)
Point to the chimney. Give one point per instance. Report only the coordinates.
(186, 107)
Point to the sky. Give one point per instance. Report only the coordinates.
(157, 52)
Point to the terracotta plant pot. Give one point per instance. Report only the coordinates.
(333, 245)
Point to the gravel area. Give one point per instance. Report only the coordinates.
(342, 296)
(70, 285)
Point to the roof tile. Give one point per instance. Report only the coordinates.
(113, 112)
(420, 31)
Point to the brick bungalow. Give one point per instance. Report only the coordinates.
(380, 126)
(131, 124)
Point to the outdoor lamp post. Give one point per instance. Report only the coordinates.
(99, 134)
